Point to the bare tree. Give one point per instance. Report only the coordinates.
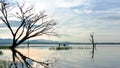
(28, 20)
(92, 40)
(93, 43)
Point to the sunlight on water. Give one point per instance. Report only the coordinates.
(104, 57)
(7, 55)
(36, 53)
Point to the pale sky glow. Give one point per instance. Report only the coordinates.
(77, 19)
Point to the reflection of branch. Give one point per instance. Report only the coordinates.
(1, 53)
(24, 60)
(93, 51)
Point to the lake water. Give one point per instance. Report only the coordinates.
(80, 56)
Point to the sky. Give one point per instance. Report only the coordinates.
(77, 19)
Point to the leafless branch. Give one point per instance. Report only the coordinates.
(31, 24)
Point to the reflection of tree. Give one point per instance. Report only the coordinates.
(93, 51)
(1, 52)
(25, 61)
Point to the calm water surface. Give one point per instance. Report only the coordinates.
(105, 56)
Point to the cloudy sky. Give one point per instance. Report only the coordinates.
(77, 19)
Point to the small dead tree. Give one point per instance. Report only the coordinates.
(93, 43)
(92, 40)
(31, 24)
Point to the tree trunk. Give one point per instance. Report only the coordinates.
(13, 44)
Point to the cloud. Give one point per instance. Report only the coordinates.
(70, 3)
(85, 11)
(110, 17)
(104, 4)
(46, 4)
(13, 23)
(78, 18)
(98, 6)
(4, 33)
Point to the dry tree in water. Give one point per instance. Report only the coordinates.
(30, 24)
